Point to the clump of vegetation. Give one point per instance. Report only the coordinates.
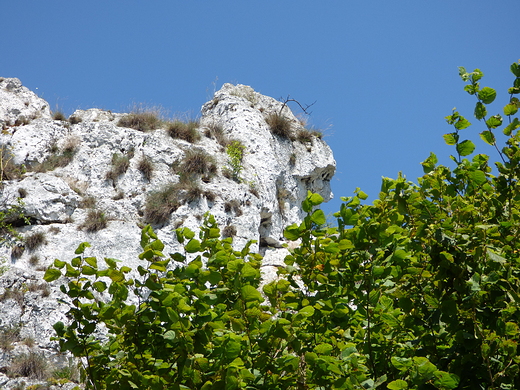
(160, 204)
(22, 192)
(233, 205)
(305, 135)
(120, 164)
(279, 125)
(31, 365)
(141, 119)
(96, 220)
(58, 116)
(35, 240)
(216, 131)
(74, 120)
(229, 231)
(34, 260)
(292, 159)
(17, 251)
(145, 165)
(59, 158)
(282, 194)
(16, 294)
(88, 202)
(186, 131)
(197, 162)
(21, 121)
(8, 336)
(8, 169)
(10, 216)
(253, 189)
(235, 151)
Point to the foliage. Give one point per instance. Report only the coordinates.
(235, 151)
(418, 290)
(9, 215)
(141, 119)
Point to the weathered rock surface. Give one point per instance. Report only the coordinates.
(277, 173)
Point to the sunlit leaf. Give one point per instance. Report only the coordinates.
(465, 148)
(487, 95)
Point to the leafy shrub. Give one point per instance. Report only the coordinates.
(185, 131)
(96, 220)
(141, 119)
(35, 240)
(145, 165)
(279, 125)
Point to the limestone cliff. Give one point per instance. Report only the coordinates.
(95, 162)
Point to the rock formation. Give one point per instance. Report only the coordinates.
(92, 178)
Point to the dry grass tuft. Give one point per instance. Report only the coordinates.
(279, 125)
(186, 131)
(96, 220)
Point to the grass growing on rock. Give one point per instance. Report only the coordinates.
(142, 119)
(186, 131)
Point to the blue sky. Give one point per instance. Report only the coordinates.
(383, 73)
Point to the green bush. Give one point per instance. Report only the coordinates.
(418, 290)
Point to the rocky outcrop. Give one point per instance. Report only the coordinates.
(70, 169)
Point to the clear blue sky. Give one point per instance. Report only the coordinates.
(383, 73)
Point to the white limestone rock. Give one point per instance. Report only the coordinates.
(277, 174)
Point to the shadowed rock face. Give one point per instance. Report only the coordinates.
(276, 174)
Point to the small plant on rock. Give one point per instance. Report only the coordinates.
(142, 119)
(197, 162)
(145, 165)
(186, 131)
(96, 220)
(279, 125)
(35, 240)
(235, 151)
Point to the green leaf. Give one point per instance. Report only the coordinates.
(323, 349)
(398, 384)
(318, 217)
(494, 121)
(249, 293)
(487, 95)
(429, 163)
(480, 111)
(462, 123)
(315, 199)
(292, 232)
(445, 380)
(51, 274)
(495, 257)
(476, 75)
(515, 124)
(510, 109)
(478, 177)
(193, 246)
(488, 137)
(81, 248)
(92, 261)
(515, 69)
(99, 286)
(402, 364)
(59, 264)
(465, 148)
(451, 138)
